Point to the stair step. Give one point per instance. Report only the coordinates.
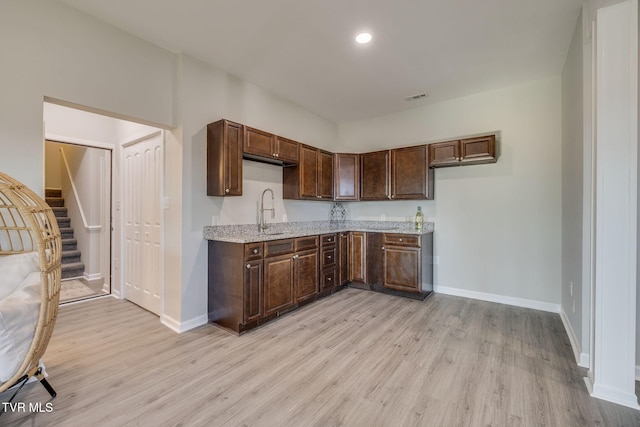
(70, 257)
(66, 233)
(69, 244)
(59, 211)
(72, 270)
(64, 222)
(52, 192)
(54, 201)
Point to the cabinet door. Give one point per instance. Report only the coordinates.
(224, 158)
(287, 150)
(325, 175)
(306, 274)
(278, 283)
(259, 143)
(410, 173)
(374, 175)
(444, 154)
(402, 268)
(358, 258)
(375, 260)
(347, 177)
(343, 257)
(308, 172)
(478, 150)
(252, 291)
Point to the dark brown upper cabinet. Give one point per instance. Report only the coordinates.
(224, 158)
(287, 150)
(469, 151)
(347, 177)
(401, 173)
(374, 175)
(264, 146)
(411, 178)
(311, 178)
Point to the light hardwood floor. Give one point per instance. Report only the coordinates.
(356, 358)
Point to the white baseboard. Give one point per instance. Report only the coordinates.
(92, 277)
(621, 397)
(180, 327)
(573, 339)
(584, 360)
(518, 302)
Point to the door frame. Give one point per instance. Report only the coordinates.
(110, 277)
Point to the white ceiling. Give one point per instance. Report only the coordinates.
(304, 50)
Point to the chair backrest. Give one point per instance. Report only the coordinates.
(28, 224)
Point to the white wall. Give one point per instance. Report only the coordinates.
(572, 187)
(49, 49)
(209, 94)
(497, 226)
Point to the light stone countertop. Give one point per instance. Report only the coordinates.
(249, 233)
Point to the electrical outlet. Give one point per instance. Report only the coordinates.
(574, 307)
(215, 219)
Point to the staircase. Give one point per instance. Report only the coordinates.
(71, 264)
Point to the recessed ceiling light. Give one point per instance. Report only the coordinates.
(363, 38)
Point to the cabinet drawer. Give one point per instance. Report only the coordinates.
(302, 243)
(328, 240)
(328, 258)
(253, 251)
(278, 247)
(328, 279)
(401, 240)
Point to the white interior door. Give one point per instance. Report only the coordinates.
(142, 196)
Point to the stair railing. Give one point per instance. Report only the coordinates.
(90, 228)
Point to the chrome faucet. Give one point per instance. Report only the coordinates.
(263, 224)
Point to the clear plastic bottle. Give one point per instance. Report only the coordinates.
(419, 219)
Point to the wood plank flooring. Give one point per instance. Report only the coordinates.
(356, 358)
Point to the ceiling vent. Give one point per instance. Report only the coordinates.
(416, 97)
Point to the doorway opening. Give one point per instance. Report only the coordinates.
(78, 189)
(109, 175)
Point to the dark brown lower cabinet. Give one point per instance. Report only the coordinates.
(358, 257)
(252, 283)
(407, 262)
(235, 284)
(278, 283)
(252, 293)
(343, 256)
(305, 274)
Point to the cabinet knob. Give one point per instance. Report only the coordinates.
(277, 155)
(248, 265)
(328, 279)
(383, 248)
(296, 256)
(330, 239)
(329, 257)
(401, 240)
(226, 190)
(255, 251)
(318, 197)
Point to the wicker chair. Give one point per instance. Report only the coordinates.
(27, 224)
